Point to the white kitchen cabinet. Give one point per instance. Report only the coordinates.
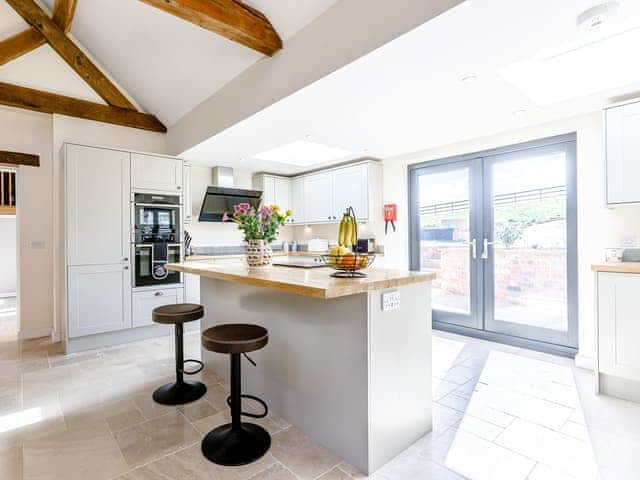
(150, 172)
(98, 299)
(275, 190)
(282, 192)
(623, 154)
(186, 195)
(143, 303)
(618, 325)
(297, 201)
(350, 189)
(97, 205)
(318, 195)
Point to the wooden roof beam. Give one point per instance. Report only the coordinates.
(17, 158)
(30, 38)
(45, 102)
(75, 58)
(230, 18)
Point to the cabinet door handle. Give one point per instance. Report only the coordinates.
(125, 259)
(179, 187)
(158, 294)
(126, 267)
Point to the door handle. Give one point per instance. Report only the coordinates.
(158, 294)
(485, 248)
(474, 250)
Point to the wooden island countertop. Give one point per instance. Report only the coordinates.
(618, 267)
(314, 282)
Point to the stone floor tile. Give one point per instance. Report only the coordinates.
(155, 438)
(74, 455)
(559, 451)
(275, 472)
(301, 455)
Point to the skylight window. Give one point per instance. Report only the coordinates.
(303, 154)
(579, 69)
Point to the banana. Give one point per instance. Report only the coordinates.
(341, 231)
(348, 231)
(354, 230)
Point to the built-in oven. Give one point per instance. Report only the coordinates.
(157, 239)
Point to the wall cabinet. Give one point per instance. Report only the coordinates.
(318, 194)
(149, 172)
(98, 299)
(618, 325)
(322, 197)
(97, 205)
(297, 201)
(143, 303)
(623, 154)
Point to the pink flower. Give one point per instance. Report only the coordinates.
(225, 217)
(241, 208)
(266, 212)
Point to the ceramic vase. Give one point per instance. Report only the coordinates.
(259, 253)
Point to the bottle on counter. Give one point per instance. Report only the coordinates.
(285, 247)
(293, 246)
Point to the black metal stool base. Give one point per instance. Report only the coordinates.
(229, 447)
(178, 394)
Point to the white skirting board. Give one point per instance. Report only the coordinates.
(583, 361)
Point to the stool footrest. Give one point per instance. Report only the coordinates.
(193, 372)
(249, 414)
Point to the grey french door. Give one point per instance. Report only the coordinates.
(499, 229)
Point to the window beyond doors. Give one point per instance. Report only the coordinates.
(7, 192)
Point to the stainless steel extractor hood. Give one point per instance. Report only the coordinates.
(222, 196)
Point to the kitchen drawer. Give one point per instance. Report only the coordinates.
(144, 302)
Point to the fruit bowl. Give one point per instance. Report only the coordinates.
(349, 265)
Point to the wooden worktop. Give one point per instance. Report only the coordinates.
(314, 282)
(621, 267)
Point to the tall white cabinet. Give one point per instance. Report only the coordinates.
(102, 305)
(97, 240)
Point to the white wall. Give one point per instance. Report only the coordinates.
(215, 234)
(598, 226)
(8, 254)
(29, 132)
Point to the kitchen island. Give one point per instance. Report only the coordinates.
(353, 375)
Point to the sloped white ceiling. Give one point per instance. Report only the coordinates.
(407, 95)
(169, 65)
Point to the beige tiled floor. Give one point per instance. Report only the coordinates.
(499, 413)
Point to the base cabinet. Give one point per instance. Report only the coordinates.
(144, 302)
(619, 325)
(99, 299)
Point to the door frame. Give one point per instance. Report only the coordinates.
(569, 350)
(474, 166)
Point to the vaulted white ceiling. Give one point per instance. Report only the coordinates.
(408, 95)
(167, 65)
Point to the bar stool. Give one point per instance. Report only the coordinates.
(236, 443)
(181, 391)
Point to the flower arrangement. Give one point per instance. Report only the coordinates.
(258, 224)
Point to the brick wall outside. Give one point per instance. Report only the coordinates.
(519, 272)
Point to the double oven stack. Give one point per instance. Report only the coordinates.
(156, 239)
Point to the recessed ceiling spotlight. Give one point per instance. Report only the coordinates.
(469, 78)
(308, 136)
(597, 15)
(520, 111)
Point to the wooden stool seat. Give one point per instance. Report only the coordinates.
(235, 338)
(178, 313)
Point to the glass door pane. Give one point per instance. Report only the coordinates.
(526, 270)
(446, 229)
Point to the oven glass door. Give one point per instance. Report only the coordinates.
(156, 223)
(149, 272)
